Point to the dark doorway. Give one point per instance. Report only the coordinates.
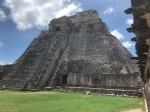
(64, 79)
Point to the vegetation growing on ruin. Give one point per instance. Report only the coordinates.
(51, 101)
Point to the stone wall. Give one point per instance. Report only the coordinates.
(84, 16)
(103, 80)
(96, 74)
(126, 92)
(140, 9)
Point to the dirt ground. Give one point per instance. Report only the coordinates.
(134, 110)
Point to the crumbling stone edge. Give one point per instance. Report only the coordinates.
(100, 91)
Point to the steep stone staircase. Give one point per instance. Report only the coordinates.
(50, 63)
(28, 63)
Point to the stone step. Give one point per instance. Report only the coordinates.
(17, 77)
(14, 88)
(13, 85)
(13, 82)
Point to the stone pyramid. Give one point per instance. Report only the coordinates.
(75, 51)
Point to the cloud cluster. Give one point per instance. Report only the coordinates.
(127, 44)
(2, 15)
(109, 10)
(117, 34)
(129, 21)
(1, 44)
(37, 13)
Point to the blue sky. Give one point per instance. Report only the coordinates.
(22, 20)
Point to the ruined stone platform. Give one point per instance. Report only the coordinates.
(122, 92)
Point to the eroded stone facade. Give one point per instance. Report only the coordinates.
(141, 27)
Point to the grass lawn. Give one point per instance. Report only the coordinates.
(51, 101)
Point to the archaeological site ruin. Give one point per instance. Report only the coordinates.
(141, 27)
(77, 51)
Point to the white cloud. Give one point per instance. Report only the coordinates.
(117, 34)
(127, 44)
(129, 21)
(2, 15)
(109, 10)
(37, 13)
(1, 44)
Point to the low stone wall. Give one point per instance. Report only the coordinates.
(103, 80)
(132, 92)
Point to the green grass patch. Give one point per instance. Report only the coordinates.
(51, 101)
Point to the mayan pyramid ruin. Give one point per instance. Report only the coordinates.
(75, 51)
